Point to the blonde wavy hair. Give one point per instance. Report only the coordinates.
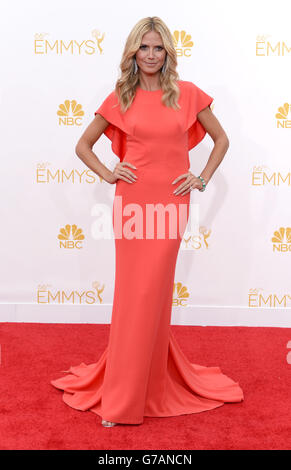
(126, 85)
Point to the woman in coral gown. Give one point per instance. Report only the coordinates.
(143, 371)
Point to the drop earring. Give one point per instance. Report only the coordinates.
(135, 66)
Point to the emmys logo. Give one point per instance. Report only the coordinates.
(257, 299)
(60, 176)
(180, 295)
(261, 178)
(70, 113)
(45, 295)
(282, 239)
(282, 115)
(265, 48)
(182, 43)
(58, 46)
(71, 237)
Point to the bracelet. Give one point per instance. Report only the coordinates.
(203, 184)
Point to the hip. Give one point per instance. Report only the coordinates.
(153, 183)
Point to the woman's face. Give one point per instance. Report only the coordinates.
(151, 54)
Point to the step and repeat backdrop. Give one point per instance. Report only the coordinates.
(59, 61)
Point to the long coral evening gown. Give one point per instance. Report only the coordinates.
(143, 371)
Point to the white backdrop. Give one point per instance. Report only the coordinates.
(59, 60)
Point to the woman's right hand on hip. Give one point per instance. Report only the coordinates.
(120, 172)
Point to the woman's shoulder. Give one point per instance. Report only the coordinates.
(187, 84)
(192, 91)
(110, 101)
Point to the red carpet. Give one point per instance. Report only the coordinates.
(34, 416)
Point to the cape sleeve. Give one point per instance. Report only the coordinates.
(197, 100)
(116, 130)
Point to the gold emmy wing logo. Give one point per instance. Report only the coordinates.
(282, 115)
(73, 46)
(99, 38)
(99, 290)
(71, 237)
(182, 43)
(70, 113)
(282, 239)
(180, 299)
(195, 242)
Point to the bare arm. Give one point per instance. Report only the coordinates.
(220, 139)
(221, 144)
(84, 146)
(84, 151)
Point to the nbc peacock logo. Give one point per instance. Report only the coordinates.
(71, 237)
(180, 295)
(182, 43)
(70, 113)
(282, 239)
(282, 115)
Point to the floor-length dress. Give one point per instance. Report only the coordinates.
(143, 371)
